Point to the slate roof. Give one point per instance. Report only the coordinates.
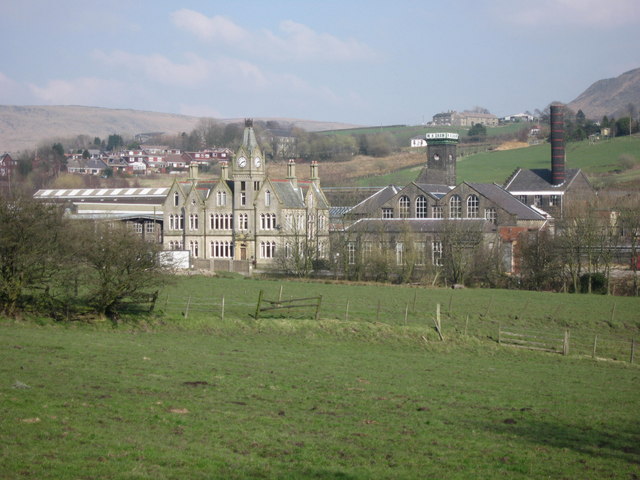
(415, 225)
(498, 195)
(292, 197)
(435, 190)
(375, 201)
(538, 180)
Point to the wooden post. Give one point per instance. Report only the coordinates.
(378, 312)
(565, 343)
(186, 310)
(415, 295)
(346, 313)
(406, 313)
(595, 344)
(633, 350)
(499, 337)
(438, 324)
(486, 314)
(613, 313)
(318, 307)
(449, 309)
(222, 310)
(280, 294)
(466, 325)
(258, 306)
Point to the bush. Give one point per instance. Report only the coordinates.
(598, 283)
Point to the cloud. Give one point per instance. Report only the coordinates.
(581, 13)
(157, 68)
(293, 41)
(79, 91)
(209, 28)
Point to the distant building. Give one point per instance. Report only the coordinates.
(465, 119)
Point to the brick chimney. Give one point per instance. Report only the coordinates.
(557, 144)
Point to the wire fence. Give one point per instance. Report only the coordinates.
(410, 312)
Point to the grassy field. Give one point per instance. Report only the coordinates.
(603, 162)
(368, 393)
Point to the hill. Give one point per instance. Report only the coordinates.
(24, 127)
(610, 96)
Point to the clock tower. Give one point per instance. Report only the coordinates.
(441, 159)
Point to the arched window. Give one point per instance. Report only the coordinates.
(472, 206)
(421, 207)
(455, 206)
(404, 207)
(193, 247)
(176, 199)
(267, 198)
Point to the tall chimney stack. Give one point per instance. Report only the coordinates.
(557, 144)
(291, 172)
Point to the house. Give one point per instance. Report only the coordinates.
(86, 166)
(465, 119)
(245, 215)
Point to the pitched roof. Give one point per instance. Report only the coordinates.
(498, 195)
(538, 180)
(292, 197)
(376, 200)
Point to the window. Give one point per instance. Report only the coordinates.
(222, 249)
(455, 206)
(288, 221)
(399, 253)
(436, 212)
(537, 200)
(311, 224)
(256, 186)
(221, 221)
(523, 199)
(351, 253)
(421, 207)
(267, 249)
(472, 206)
(367, 248)
(322, 250)
(150, 226)
(420, 248)
(243, 199)
(193, 221)
(267, 221)
(387, 212)
(221, 198)
(288, 251)
(176, 199)
(243, 221)
(321, 222)
(554, 200)
(175, 245)
(193, 248)
(137, 227)
(436, 253)
(404, 207)
(267, 198)
(491, 215)
(243, 186)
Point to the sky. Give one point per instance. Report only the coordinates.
(353, 61)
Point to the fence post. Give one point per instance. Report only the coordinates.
(378, 312)
(466, 325)
(346, 313)
(318, 307)
(280, 294)
(258, 306)
(438, 324)
(222, 311)
(595, 344)
(406, 313)
(186, 310)
(565, 343)
(633, 349)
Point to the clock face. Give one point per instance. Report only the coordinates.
(242, 162)
(436, 157)
(257, 162)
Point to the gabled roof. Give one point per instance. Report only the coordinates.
(437, 191)
(291, 197)
(498, 195)
(538, 180)
(375, 201)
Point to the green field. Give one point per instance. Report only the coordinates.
(366, 393)
(602, 162)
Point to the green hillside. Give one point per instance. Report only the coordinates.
(609, 162)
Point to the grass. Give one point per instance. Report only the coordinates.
(602, 162)
(283, 397)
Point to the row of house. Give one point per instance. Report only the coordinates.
(147, 159)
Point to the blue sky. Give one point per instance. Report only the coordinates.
(362, 62)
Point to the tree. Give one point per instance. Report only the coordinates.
(540, 264)
(32, 254)
(114, 142)
(121, 267)
(477, 131)
(460, 241)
